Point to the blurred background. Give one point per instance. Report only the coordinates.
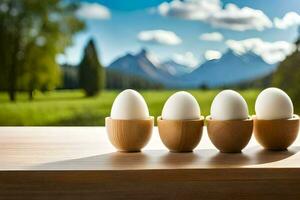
(63, 62)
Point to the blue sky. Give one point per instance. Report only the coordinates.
(173, 31)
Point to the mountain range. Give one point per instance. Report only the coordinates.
(230, 69)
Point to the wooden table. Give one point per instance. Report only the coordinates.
(80, 163)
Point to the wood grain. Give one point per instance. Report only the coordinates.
(151, 184)
(229, 136)
(129, 135)
(80, 163)
(180, 135)
(276, 134)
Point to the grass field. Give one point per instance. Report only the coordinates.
(72, 108)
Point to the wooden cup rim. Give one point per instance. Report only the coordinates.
(295, 117)
(202, 118)
(150, 118)
(208, 118)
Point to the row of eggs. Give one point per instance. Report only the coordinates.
(180, 126)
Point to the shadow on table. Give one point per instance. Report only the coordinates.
(160, 159)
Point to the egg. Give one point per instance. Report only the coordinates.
(129, 104)
(181, 106)
(273, 103)
(229, 105)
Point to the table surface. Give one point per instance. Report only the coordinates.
(88, 148)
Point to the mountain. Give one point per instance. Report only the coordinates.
(143, 65)
(174, 68)
(137, 64)
(230, 69)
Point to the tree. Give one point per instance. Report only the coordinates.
(91, 72)
(118, 80)
(70, 77)
(287, 76)
(32, 34)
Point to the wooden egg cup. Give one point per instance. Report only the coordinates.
(129, 135)
(276, 134)
(229, 136)
(180, 135)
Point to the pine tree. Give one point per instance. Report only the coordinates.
(91, 72)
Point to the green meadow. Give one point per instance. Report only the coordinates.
(71, 107)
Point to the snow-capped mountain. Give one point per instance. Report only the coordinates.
(143, 65)
(174, 68)
(231, 68)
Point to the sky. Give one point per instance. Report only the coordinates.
(189, 31)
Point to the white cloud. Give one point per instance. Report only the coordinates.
(212, 54)
(271, 52)
(93, 11)
(188, 59)
(214, 36)
(213, 12)
(288, 20)
(240, 19)
(189, 9)
(159, 37)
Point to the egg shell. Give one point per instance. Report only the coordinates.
(229, 105)
(128, 105)
(181, 106)
(273, 103)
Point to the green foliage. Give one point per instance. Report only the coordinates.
(259, 83)
(91, 72)
(117, 80)
(114, 80)
(71, 108)
(287, 77)
(32, 34)
(69, 77)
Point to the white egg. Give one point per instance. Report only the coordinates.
(181, 106)
(229, 105)
(273, 103)
(129, 104)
